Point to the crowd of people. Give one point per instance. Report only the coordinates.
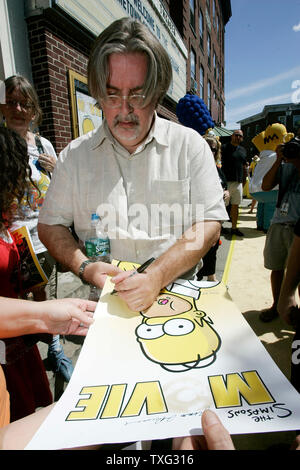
(137, 157)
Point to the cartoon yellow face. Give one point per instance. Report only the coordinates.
(269, 139)
(179, 341)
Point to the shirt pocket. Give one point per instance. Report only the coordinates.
(169, 208)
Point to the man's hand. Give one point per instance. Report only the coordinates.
(96, 273)
(139, 291)
(66, 316)
(215, 437)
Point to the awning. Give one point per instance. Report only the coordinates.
(221, 131)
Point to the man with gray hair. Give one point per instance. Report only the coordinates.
(155, 181)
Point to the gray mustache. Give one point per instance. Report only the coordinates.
(130, 118)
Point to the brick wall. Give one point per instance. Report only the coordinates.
(53, 54)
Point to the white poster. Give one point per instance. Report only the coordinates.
(89, 115)
(150, 375)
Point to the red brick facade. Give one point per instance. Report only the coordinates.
(52, 56)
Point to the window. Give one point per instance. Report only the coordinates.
(216, 105)
(193, 63)
(201, 91)
(209, 95)
(192, 14)
(222, 39)
(208, 49)
(282, 120)
(215, 66)
(219, 112)
(201, 28)
(193, 70)
(214, 13)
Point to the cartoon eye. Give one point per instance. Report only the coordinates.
(178, 327)
(145, 331)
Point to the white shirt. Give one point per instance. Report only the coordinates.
(267, 160)
(146, 199)
(28, 214)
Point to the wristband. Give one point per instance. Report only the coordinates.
(82, 268)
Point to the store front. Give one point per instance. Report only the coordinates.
(60, 36)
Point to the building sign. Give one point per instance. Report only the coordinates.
(151, 13)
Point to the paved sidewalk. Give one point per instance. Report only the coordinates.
(249, 287)
(240, 264)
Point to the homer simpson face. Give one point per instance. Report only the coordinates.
(166, 305)
(274, 135)
(176, 336)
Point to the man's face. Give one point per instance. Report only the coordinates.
(127, 74)
(237, 138)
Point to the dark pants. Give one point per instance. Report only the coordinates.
(209, 262)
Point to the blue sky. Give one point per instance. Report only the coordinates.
(262, 57)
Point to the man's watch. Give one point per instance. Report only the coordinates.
(82, 268)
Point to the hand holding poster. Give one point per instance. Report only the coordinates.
(150, 375)
(31, 271)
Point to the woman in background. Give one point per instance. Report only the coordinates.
(21, 112)
(26, 378)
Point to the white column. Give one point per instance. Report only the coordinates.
(7, 59)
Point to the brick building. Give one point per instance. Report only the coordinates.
(49, 42)
(287, 114)
(201, 23)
